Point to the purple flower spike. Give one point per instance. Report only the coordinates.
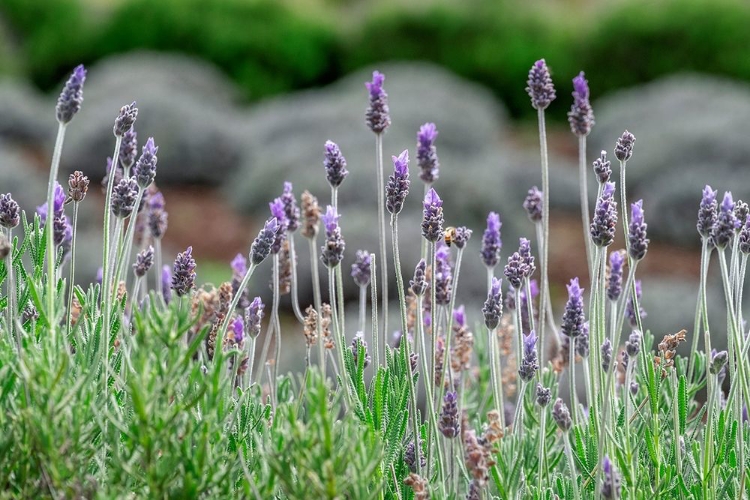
(707, 213)
(630, 310)
(624, 146)
(291, 211)
(459, 316)
(125, 119)
(540, 87)
(239, 265)
(603, 226)
(129, 148)
(543, 395)
(611, 480)
(427, 158)
(335, 164)
(493, 306)
(491, 242)
(561, 415)
(637, 232)
(398, 184)
(58, 202)
(239, 269)
(183, 273)
(573, 317)
(157, 216)
(123, 198)
(533, 204)
(145, 168)
(515, 270)
(432, 221)
(449, 422)
(614, 284)
(581, 116)
(529, 363)
(461, 236)
(744, 238)
(10, 212)
(71, 97)
(166, 283)
(582, 342)
(723, 230)
(606, 351)
(602, 168)
(278, 211)
(377, 116)
(418, 284)
(261, 247)
(143, 262)
(333, 251)
(361, 268)
(253, 317)
(524, 249)
(238, 330)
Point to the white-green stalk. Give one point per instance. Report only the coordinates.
(571, 465)
(449, 329)
(295, 296)
(374, 310)
(318, 303)
(72, 266)
(382, 234)
(272, 326)
(49, 227)
(276, 320)
(585, 213)
(121, 264)
(544, 257)
(542, 435)
(495, 368)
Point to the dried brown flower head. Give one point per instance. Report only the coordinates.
(78, 186)
(310, 215)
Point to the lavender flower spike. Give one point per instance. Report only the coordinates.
(333, 251)
(561, 415)
(614, 284)
(540, 87)
(432, 221)
(581, 116)
(157, 216)
(707, 213)
(361, 268)
(71, 97)
(183, 273)
(10, 212)
(491, 242)
(166, 283)
(427, 158)
(603, 226)
(573, 318)
(335, 164)
(611, 480)
(123, 198)
(515, 270)
(461, 236)
(291, 211)
(744, 238)
(277, 211)
(723, 230)
(533, 205)
(524, 250)
(449, 423)
(128, 149)
(125, 119)
(253, 317)
(602, 168)
(493, 306)
(529, 363)
(377, 117)
(143, 261)
(418, 284)
(261, 246)
(398, 184)
(606, 355)
(543, 395)
(624, 146)
(637, 232)
(145, 168)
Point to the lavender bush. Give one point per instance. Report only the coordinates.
(148, 384)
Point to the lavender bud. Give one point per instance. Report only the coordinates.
(125, 119)
(603, 225)
(145, 168)
(78, 186)
(183, 273)
(610, 481)
(602, 168)
(582, 342)
(723, 230)
(515, 270)
(707, 213)
(238, 330)
(239, 269)
(529, 362)
(581, 116)
(633, 344)
(413, 360)
(630, 310)
(71, 97)
(361, 268)
(461, 236)
(398, 184)
(143, 261)
(744, 238)
(533, 205)
(432, 220)
(356, 342)
(491, 242)
(128, 149)
(377, 116)
(543, 395)
(741, 211)
(10, 212)
(540, 87)
(634, 388)
(418, 284)
(573, 318)
(410, 457)
(335, 164)
(58, 203)
(624, 146)
(637, 232)
(261, 247)
(29, 314)
(253, 317)
(333, 251)
(427, 158)
(614, 283)
(60, 228)
(606, 355)
(524, 249)
(291, 211)
(166, 284)
(449, 423)
(124, 195)
(277, 211)
(157, 215)
(443, 276)
(718, 361)
(493, 306)
(561, 415)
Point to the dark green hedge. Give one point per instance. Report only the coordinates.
(268, 49)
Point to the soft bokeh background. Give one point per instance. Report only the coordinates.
(240, 95)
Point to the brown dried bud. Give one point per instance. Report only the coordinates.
(310, 215)
(78, 186)
(310, 327)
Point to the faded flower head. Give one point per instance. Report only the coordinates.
(602, 168)
(573, 318)
(633, 344)
(524, 250)
(432, 220)
(491, 242)
(611, 480)
(449, 422)
(125, 119)
(533, 204)
(637, 232)
(145, 167)
(493, 306)
(143, 261)
(157, 215)
(744, 238)
(377, 116)
(624, 146)
(261, 247)
(78, 186)
(183, 273)
(310, 215)
(398, 183)
(707, 213)
(335, 164)
(540, 87)
(606, 355)
(71, 97)
(10, 212)
(581, 116)
(362, 267)
(253, 317)
(427, 158)
(718, 361)
(604, 224)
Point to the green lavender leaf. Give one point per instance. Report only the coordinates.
(682, 403)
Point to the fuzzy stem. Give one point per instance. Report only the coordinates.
(428, 380)
(106, 247)
(518, 414)
(495, 362)
(571, 465)
(72, 266)
(433, 314)
(11, 307)
(318, 303)
(250, 362)
(542, 435)
(381, 233)
(572, 379)
(545, 230)
(550, 315)
(269, 330)
(585, 213)
(338, 335)
(51, 253)
(136, 290)
(121, 263)
(362, 308)
(449, 329)
(277, 346)
(295, 297)
(374, 310)
(235, 300)
(158, 270)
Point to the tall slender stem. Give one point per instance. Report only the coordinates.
(121, 264)
(518, 414)
(381, 233)
(449, 329)
(433, 316)
(545, 230)
(159, 269)
(51, 253)
(236, 300)
(497, 390)
(585, 213)
(295, 296)
(572, 379)
(277, 330)
(270, 331)
(374, 309)
(571, 465)
(362, 308)
(542, 435)
(318, 303)
(11, 307)
(72, 266)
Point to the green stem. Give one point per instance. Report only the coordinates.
(571, 465)
(51, 253)
(545, 229)
(495, 362)
(381, 233)
(318, 303)
(542, 435)
(295, 296)
(374, 309)
(269, 330)
(120, 263)
(585, 213)
(277, 330)
(449, 329)
(72, 266)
